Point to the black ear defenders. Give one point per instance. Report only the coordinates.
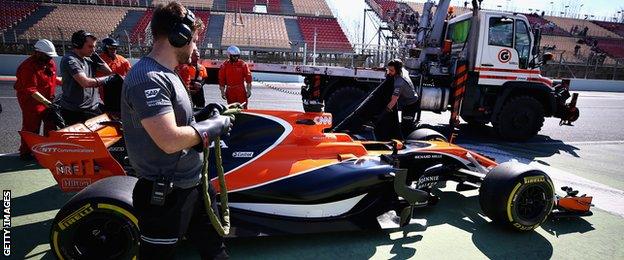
(79, 38)
(181, 33)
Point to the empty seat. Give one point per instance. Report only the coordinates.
(66, 19)
(273, 6)
(565, 46)
(546, 26)
(613, 47)
(14, 12)
(329, 34)
(138, 34)
(189, 3)
(592, 29)
(316, 8)
(617, 28)
(255, 30)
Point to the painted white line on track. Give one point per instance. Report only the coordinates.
(9, 154)
(8, 97)
(514, 145)
(606, 198)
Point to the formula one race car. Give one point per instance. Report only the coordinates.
(286, 175)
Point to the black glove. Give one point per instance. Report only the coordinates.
(210, 129)
(209, 111)
(97, 59)
(112, 80)
(53, 115)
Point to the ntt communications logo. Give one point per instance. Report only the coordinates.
(323, 120)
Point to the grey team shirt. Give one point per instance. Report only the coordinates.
(151, 89)
(74, 96)
(404, 89)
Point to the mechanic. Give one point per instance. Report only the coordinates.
(35, 86)
(194, 76)
(233, 74)
(80, 99)
(404, 96)
(117, 63)
(164, 141)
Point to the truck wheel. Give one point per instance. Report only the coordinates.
(98, 222)
(517, 196)
(520, 119)
(343, 102)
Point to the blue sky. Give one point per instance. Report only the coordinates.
(350, 12)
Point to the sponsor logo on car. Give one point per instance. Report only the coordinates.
(151, 93)
(75, 183)
(428, 156)
(62, 169)
(47, 148)
(242, 154)
(323, 120)
(75, 216)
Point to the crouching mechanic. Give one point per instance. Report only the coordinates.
(80, 99)
(164, 141)
(404, 96)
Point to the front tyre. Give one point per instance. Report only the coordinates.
(517, 196)
(95, 231)
(98, 222)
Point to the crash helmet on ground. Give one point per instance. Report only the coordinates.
(46, 47)
(233, 50)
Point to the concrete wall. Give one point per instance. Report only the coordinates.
(10, 62)
(597, 85)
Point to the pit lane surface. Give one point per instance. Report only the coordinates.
(589, 153)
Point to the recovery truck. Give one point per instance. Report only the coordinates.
(483, 66)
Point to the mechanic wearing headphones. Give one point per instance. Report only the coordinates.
(164, 141)
(404, 96)
(80, 99)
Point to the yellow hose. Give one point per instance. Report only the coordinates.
(222, 226)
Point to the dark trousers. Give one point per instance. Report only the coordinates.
(408, 115)
(73, 117)
(183, 213)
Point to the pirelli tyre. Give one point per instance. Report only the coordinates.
(425, 134)
(517, 196)
(98, 222)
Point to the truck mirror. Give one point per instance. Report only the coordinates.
(537, 38)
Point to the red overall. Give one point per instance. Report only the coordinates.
(234, 75)
(34, 76)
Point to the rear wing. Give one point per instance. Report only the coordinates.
(78, 154)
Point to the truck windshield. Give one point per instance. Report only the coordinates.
(500, 32)
(458, 32)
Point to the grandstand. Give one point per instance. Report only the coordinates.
(286, 26)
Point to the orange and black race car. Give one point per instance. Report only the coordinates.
(286, 174)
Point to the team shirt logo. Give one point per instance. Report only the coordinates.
(151, 93)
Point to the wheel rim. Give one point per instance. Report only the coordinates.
(531, 203)
(522, 120)
(103, 237)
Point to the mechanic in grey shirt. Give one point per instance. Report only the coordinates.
(403, 96)
(80, 99)
(164, 141)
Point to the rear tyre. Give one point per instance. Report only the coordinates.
(343, 102)
(97, 225)
(520, 119)
(517, 196)
(425, 134)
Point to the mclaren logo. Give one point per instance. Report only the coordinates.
(323, 120)
(242, 154)
(47, 148)
(151, 93)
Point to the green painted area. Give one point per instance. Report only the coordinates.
(454, 228)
